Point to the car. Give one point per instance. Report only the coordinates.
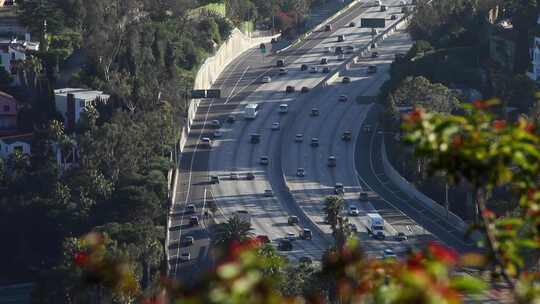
(328, 28)
(389, 254)
(314, 142)
(383, 8)
(340, 38)
(274, 40)
(206, 142)
(268, 193)
(214, 179)
(190, 208)
(363, 196)
(315, 112)
(374, 54)
(185, 257)
(189, 240)
(349, 47)
(393, 17)
(404, 10)
(280, 63)
(275, 126)
(264, 239)
(305, 260)
(216, 123)
(353, 227)
(299, 138)
(255, 138)
(292, 220)
(264, 160)
(372, 69)
(304, 90)
(218, 134)
(234, 176)
(303, 67)
(352, 24)
(353, 211)
(250, 176)
(324, 60)
(283, 108)
(290, 236)
(300, 172)
(401, 236)
(289, 89)
(285, 245)
(339, 188)
(313, 70)
(331, 161)
(402, 3)
(306, 234)
(338, 50)
(194, 221)
(266, 79)
(367, 128)
(282, 71)
(231, 119)
(343, 98)
(326, 70)
(327, 49)
(346, 136)
(346, 80)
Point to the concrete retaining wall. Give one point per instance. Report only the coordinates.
(413, 193)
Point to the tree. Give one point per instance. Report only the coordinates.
(234, 230)
(333, 208)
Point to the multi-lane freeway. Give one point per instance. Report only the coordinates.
(277, 191)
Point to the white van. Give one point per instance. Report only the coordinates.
(283, 108)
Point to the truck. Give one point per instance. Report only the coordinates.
(375, 225)
(251, 111)
(244, 216)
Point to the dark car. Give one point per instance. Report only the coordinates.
(303, 67)
(231, 119)
(374, 54)
(393, 17)
(194, 221)
(188, 240)
(255, 138)
(292, 220)
(280, 63)
(383, 8)
(315, 112)
(304, 90)
(250, 176)
(326, 70)
(352, 24)
(346, 136)
(372, 69)
(363, 196)
(338, 50)
(214, 179)
(328, 28)
(340, 38)
(285, 245)
(306, 234)
(346, 80)
(289, 89)
(324, 60)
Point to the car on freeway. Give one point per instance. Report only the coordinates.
(339, 189)
(289, 89)
(338, 50)
(280, 63)
(231, 119)
(285, 245)
(266, 79)
(214, 179)
(374, 54)
(343, 98)
(283, 71)
(389, 254)
(216, 123)
(324, 60)
(206, 142)
(313, 70)
(233, 176)
(185, 257)
(372, 69)
(331, 161)
(275, 126)
(290, 236)
(363, 196)
(346, 136)
(399, 56)
(328, 28)
(353, 211)
(314, 142)
(346, 80)
(300, 172)
(352, 24)
(367, 128)
(304, 90)
(250, 176)
(264, 160)
(303, 67)
(374, 31)
(292, 220)
(255, 138)
(190, 208)
(401, 236)
(299, 137)
(305, 260)
(268, 193)
(194, 221)
(327, 49)
(262, 238)
(189, 240)
(340, 38)
(393, 17)
(383, 8)
(306, 234)
(353, 227)
(218, 134)
(326, 70)
(315, 112)
(283, 108)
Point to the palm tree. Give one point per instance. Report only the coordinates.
(333, 207)
(234, 229)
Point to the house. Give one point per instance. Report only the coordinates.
(71, 102)
(534, 72)
(8, 114)
(10, 144)
(15, 49)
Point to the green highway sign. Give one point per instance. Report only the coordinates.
(196, 94)
(213, 93)
(373, 22)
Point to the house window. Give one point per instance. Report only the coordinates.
(6, 108)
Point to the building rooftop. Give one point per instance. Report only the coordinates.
(9, 139)
(78, 93)
(7, 100)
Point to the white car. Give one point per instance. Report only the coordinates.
(275, 126)
(389, 254)
(218, 134)
(290, 236)
(266, 79)
(353, 211)
(299, 137)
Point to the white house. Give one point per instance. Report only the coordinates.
(71, 102)
(14, 49)
(10, 144)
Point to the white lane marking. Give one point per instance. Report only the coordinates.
(236, 84)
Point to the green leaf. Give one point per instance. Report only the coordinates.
(528, 243)
(469, 284)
